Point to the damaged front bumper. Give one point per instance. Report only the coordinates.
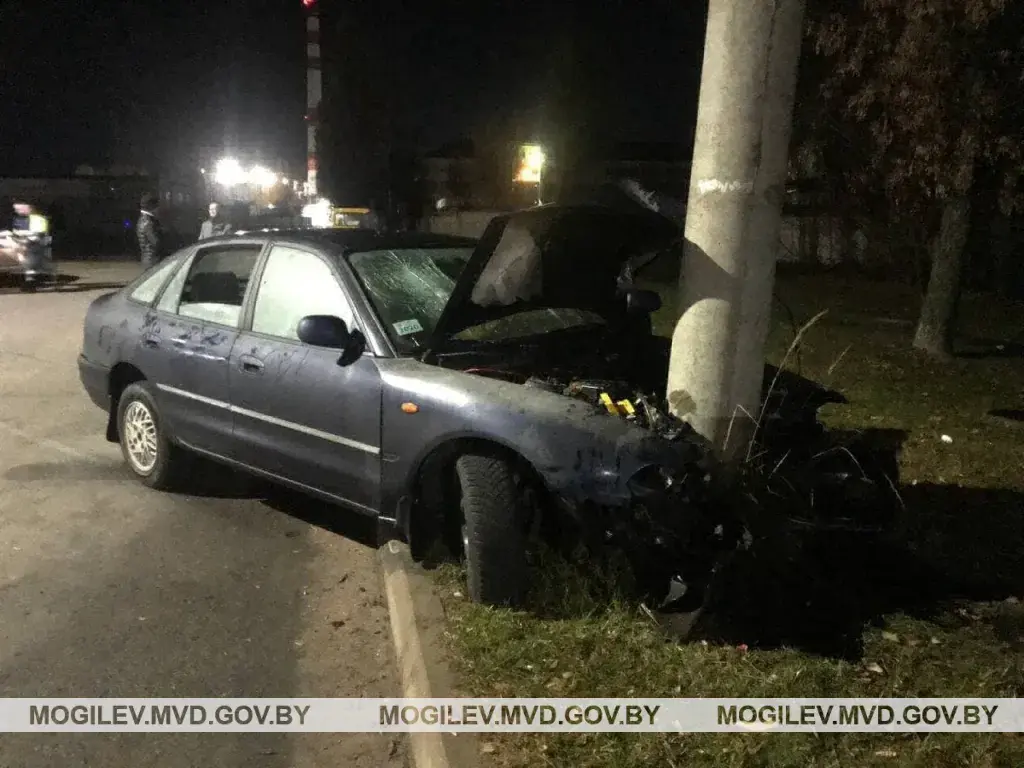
(684, 514)
(666, 516)
(678, 532)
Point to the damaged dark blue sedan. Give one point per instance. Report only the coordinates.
(454, 389)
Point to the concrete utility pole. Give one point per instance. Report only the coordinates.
(733, 216)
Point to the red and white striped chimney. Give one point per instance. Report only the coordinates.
(314, 91)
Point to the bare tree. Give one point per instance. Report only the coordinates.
(935, 84)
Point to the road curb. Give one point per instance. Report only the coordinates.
(417, 629)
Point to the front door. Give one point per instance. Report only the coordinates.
(195, 325)
(299, 413)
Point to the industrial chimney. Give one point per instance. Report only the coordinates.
(314, 90)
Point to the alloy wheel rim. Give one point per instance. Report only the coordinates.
(140, 437)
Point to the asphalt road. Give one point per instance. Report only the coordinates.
(110, 589)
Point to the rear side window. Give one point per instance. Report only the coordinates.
(149, 288)
(172, 293)
(216, 283)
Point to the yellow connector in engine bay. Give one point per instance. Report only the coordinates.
(627, 406)
(606, 401)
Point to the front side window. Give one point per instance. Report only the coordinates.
(151, 284)
(296, 283)
(216, 283)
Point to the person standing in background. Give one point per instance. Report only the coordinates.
(150, 232)
(30, 230)
(215, 225)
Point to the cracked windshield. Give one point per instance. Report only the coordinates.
(410, 287)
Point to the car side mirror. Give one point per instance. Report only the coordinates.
(642, 302)
(324, 331)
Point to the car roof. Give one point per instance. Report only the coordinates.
(353, 239)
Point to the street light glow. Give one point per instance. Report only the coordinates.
(229, 172)
(318, 213)
(262, 177)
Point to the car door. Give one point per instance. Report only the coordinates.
(143, 322)
(300, 414)
(191, 330)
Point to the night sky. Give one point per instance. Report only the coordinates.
(168, 84)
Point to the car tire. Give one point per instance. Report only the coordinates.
(493, 533)
(145, 445)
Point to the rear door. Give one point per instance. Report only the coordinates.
(193, 327)
(301, 414)
(143, 325)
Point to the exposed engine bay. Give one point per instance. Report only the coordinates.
(597, 377)
(630, 384)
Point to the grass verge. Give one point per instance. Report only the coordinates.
(932, 613)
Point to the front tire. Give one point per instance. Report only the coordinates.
(493, 532)
(145, 445)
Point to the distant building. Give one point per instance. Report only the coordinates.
(454, 176)
(663, 167)
(458, 177)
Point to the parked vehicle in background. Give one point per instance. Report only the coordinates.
(26, 250)
(353, 218)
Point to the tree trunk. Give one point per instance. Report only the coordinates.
(938, 313)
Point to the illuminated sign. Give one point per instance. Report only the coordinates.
(531, 164)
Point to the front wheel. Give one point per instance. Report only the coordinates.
(493, 530)
(149, 453)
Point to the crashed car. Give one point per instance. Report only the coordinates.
(454, 389)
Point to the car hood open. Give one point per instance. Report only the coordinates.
(554, 256)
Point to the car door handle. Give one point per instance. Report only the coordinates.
(250, 364)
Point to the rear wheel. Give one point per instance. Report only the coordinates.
(493, 530)
(147, 450)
